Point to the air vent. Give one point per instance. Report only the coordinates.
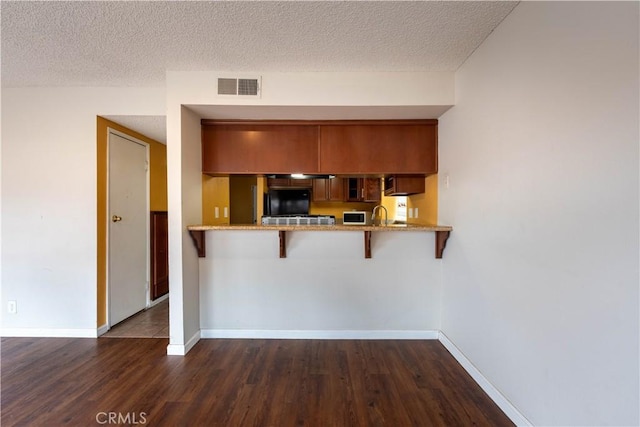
(227, 86)
(239, 87)
(248, 87)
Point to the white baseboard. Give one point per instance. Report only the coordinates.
(319, 334)
(48, 333)
(103, 329)
(180, 349)
(158, 300)
(495, 395)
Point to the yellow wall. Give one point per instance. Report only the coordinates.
(241, 199)
(427, 203)
(262, 188)
(157, 197)
(157, 175)
(215, 193)
(389, 202)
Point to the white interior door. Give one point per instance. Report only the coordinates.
(128, 227)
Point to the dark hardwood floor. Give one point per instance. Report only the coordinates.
(83, 382)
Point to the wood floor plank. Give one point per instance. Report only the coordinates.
(63, 381)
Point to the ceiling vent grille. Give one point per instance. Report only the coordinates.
(227, 86)
(239, 87)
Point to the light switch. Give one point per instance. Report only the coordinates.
(216, 212)
(415, 212)
(226, 212)
(410, 212)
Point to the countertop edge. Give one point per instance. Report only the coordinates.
(407, 227)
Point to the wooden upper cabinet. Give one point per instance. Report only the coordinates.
(253, 148)
(363, 189)
(348, 147)
(403, 185)
(372, 189)
(408, 147)
(328, 190)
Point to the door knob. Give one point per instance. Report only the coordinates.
(116, 218)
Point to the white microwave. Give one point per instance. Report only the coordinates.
(354, 218)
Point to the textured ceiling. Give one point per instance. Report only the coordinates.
(133, 43)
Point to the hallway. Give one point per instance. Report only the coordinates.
(150, 323)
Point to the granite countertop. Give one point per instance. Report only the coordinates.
(442, 232)
(337, 227)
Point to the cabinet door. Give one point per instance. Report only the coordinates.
(353, 190)
(159, 255)
(363, 190)
(328, 190)
(259, 149)
(353, 149)
(398, 185)
(320, 190)
(372, 190)
(336, 190)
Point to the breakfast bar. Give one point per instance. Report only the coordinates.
(442, 233)
(318, 229)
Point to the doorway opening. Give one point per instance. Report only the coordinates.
(155, 262)
(243, 199)
(128, 230)
(152, 322)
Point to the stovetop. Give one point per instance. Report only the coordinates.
(299, 216)
(298, 220)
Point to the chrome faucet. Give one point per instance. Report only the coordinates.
(373, 215)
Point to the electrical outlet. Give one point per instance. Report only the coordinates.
(446, 181)
(415, 212)
(410, 212)
(12, 307)
(226, 212)
(216, 211)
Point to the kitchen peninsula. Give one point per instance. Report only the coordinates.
(359, 152)
(442, 233)
(327, 279)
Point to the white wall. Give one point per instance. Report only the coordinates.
(191, 213)
(49, 203)
(184, 165)
(541, 271)
(324, 288)
(319, 89)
